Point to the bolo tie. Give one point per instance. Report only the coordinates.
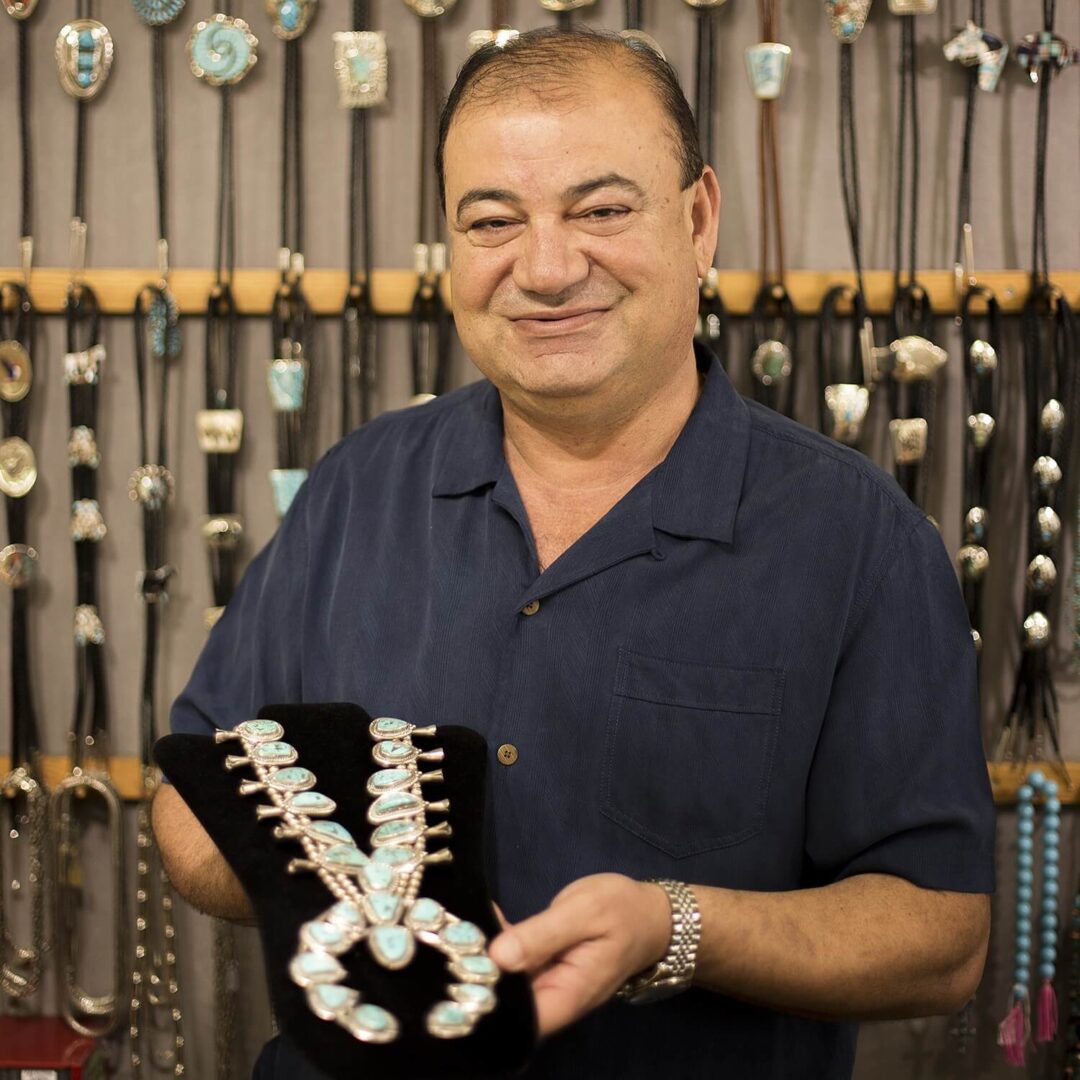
(499, 32)
(290, 376)
(914, 360)
(844, 376)
(772, 314)
(712, 322)
(157, 1033)
(979, 319)
(1051, 397)
(429, 315)
(222, 50)
(26, 802)
(361, 71)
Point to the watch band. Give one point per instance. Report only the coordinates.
(675, 970)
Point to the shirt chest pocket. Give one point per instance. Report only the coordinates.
(689, 751)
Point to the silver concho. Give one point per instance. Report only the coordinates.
(1048, 524)
(1036, 631)
(20, 9)
(151, 485)
(89, 629)
(219, 431)
(767, 65)
(916, 358)
(1052, 418)
(84, 55)
(909, 440)
(984, 358)
(848, 404)
(84, 368)
(222, 50)
(157, 12)
(82, 448)
(552, 5)
(18, 467)
(290, 18)
(976, 523)
(432, 9)
(973, 560)
(222, 532)
(847, 18)
(976, 639)
(360, 67)
(1047, 474)
(87, 524)
(771, 362)
(16, 374)
(912, 7)
(981, 429)
(1041, 575)
(18, 565)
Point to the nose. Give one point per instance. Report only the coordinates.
(549, 261)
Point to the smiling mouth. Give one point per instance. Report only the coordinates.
(552, 324)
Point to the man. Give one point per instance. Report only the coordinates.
(703, 643)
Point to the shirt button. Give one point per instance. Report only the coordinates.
(507, 753)
(531, 608)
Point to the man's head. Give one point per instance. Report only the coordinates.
(580, 215)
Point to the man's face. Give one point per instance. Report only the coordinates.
(575, 254)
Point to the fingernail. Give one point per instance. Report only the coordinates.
(506, 951)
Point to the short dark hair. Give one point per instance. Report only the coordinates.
(550, 57)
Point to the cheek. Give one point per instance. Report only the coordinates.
(474, 278)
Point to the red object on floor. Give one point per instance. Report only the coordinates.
(46, 1043)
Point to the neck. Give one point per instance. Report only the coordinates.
(587, 446)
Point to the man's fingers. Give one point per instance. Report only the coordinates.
(530, 944)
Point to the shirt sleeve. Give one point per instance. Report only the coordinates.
(252, 657)
(899, 783)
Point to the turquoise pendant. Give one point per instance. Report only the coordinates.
(370, 1023)
(475, 969)
(360, 68)
(332, 938)
(84, 55)
(394, 805)
(425, 914)
(287, 380)
(290, 18)
(384, 780)
(330, 832)
(392, 946)
(311, 968)
(328, 1001)
(382, 908)
(222, 50)
(310, 803)
(344, 859)
(396, 832)
(474, 996)
(449, 1020)
(284, 484)
(157, 12)
(462, 937)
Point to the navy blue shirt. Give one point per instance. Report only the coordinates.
(754, 672)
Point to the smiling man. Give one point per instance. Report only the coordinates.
(705, 645)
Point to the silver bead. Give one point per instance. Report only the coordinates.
(974, 561)
(1047, 473)
(1052, 419)
(981, 428)
(976, 637)
(1041, 574)
(983, 357)
(976, 523)
(1036, 631)
(1049, 525)
(771, 362)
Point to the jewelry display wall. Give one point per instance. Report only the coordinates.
(123, 259)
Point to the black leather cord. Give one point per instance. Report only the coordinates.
(634, 14)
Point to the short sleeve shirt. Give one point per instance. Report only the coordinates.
(755, 672)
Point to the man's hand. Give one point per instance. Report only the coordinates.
(597, 933)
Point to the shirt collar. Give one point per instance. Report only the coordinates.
(696, 489)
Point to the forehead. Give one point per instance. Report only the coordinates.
(608, 120)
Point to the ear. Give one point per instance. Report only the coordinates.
(705, 218)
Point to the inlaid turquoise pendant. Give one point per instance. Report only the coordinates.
(328, 1001)
(157, 12)
(370, 1023)
(222, 50)
(310, 968)
(84, 55)
(360, 68)
(290, 18)
(284, 484)
(287, 380)
(392, 946)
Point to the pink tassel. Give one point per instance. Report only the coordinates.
(1048, 1012)
(1011, 1035)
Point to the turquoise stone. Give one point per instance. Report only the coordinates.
(480, 997)
(393, 856)
(462, 935)
(284, 484)
(293, 778)
(397, 750)
(287, 380)
(395, 802)
(222, 51)
(86, 39)
(330, 832)
(390, 831)
(345, 911)
(316, 967)
(448, 1014)
(289, 14)
(392, 946)
(390, 725)
(377, 876)
(327, 999)
(384, 779)
(346, 857)
(361, 68)
(260, 729)
(385, 906)
(84, 78)
(372, 1017)
(85, 61)
(326, 935)
(312, 802)
(478, 965)
(271, 752)
(425, 913)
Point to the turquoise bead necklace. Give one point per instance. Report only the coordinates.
(1015, 1030)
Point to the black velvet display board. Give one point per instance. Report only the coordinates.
(333, 742)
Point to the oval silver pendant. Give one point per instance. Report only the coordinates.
(84, 55)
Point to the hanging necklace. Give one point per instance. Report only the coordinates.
(155, 994)
(1015, 1030)
(915, 358)
(92, 1015)
(983, 54)
(712, 325)
(360, 65)
(1050, 388)
(844, 383)
(290, 376)
(430, 318)
(22, 789)
(772, 316)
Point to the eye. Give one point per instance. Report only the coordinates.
(491, 225)
(606, 213)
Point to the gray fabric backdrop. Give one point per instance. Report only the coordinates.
(120, 202)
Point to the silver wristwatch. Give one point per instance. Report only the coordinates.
(675, 971)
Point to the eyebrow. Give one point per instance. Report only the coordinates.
(571, 194)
